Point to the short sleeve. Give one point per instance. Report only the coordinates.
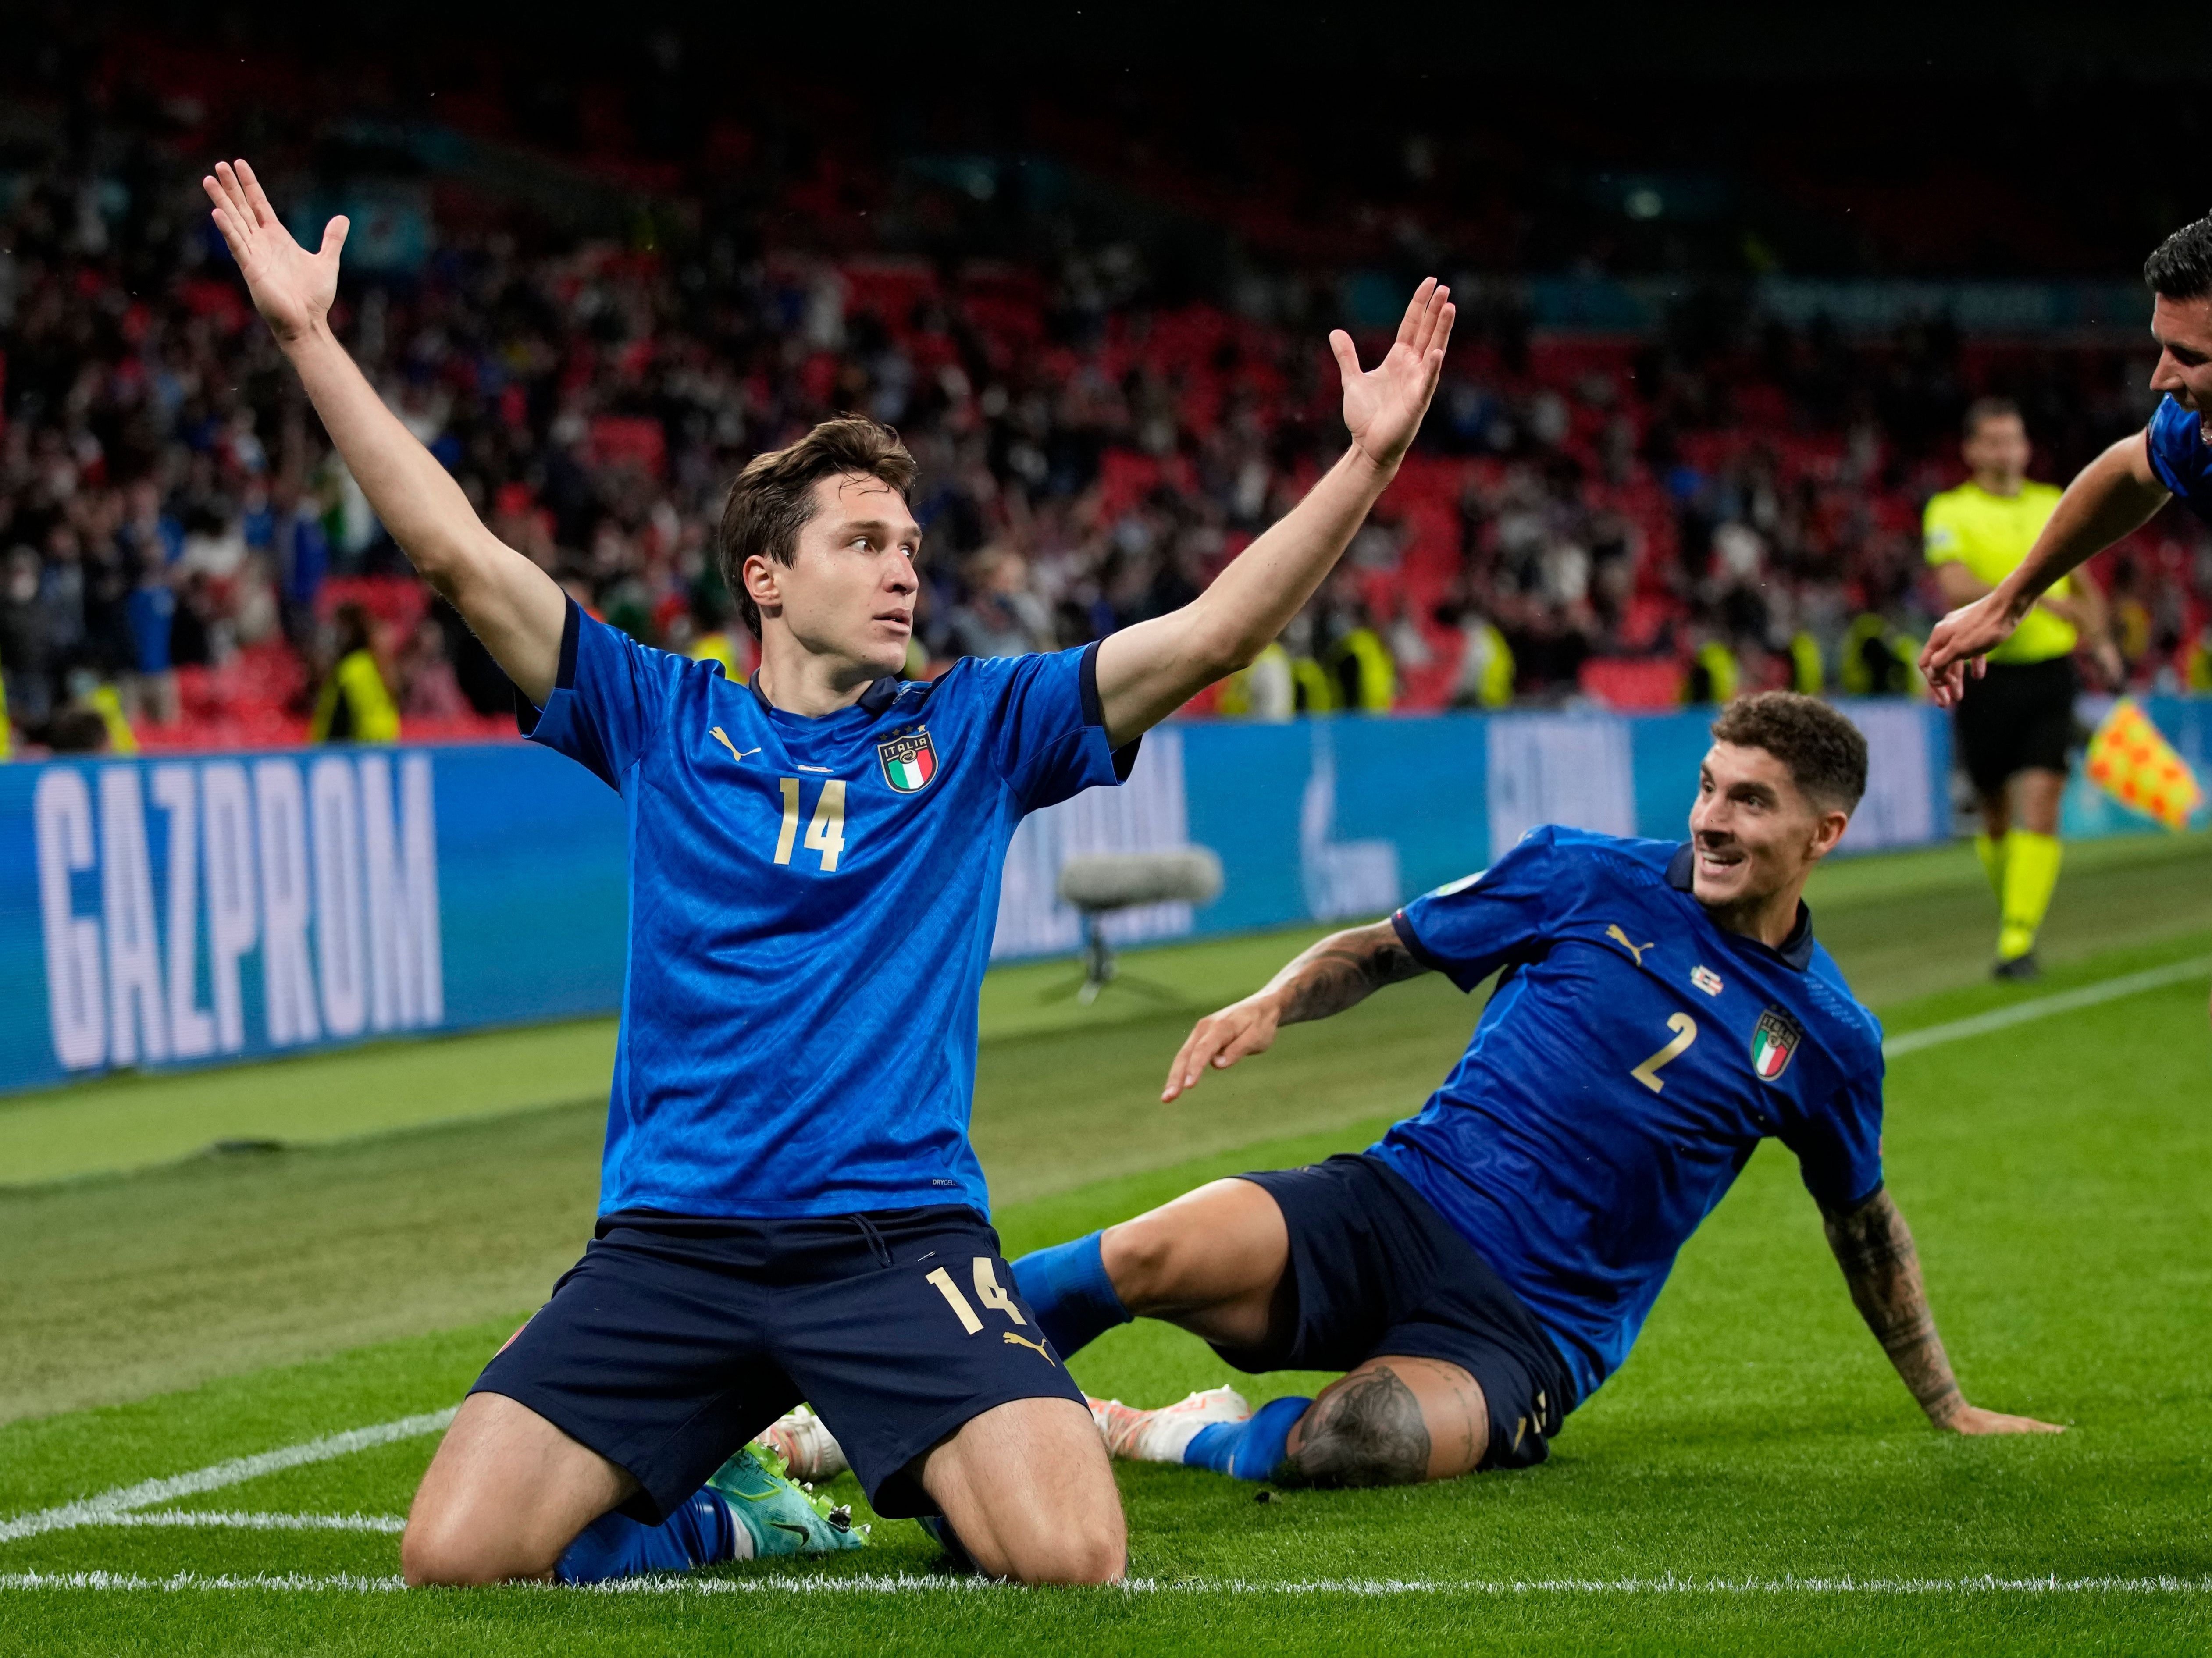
(608, 698)
(1838, 1147)
(1048, 733)
(2176, 442)
(1469, 929)
(1940, 535)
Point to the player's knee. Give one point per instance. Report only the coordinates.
(1147, 1260)
(435, 1552)
(430, 1556)
(1092, 1551)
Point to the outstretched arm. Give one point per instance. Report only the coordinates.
(514, 607)
(1326, 978)
(2115, 495)
(1873, 1247)
(1148, 671)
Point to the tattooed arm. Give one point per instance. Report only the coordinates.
(1340, 971)
(1873, 1247)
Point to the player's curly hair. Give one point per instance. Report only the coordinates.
(1825, 752)
(770, 502)
(2180, 267)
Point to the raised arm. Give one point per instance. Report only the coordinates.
(514, 607)
(2115, 495)
(1326, 978)
(1873, 1247)
(1148, 671)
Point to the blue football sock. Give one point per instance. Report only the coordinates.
(1067, 1289)
(1251, 1449)
(701, 1532)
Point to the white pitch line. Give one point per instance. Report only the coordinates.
(234, 1520)
(96, 1510)
(2042, 1007)
(908, 1583)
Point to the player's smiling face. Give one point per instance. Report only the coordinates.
(2183, 329)
(1756, 833)
(849, 591)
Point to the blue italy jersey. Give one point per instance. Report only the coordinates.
(810, 905)
(1631, 1060)
(2181, 455)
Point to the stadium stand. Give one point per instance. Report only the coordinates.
(1637, 511)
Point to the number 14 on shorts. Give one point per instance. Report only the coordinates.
(986, 1276)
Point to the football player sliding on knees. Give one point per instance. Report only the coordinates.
(1478, 1274)
(790, 1209)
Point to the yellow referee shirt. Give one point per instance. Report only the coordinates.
(1990, 535)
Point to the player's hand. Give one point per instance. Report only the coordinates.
(1972, 1419)
(1220, 1039)
(1959, 643)
(1382, 408)
(292, 287)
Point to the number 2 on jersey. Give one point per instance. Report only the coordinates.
(824, 834)
(1686, 1032)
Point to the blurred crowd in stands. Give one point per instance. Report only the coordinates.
(1638, 522)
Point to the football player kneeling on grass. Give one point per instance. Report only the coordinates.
(789, 1206)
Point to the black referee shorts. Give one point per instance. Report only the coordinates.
(1375, 1270)
(2017, 717)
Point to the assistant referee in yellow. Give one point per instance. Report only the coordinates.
(2015, 724)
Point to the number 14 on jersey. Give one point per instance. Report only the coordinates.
(825, 831)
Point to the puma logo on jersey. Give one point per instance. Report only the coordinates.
(1636, 950)
(723, 737)
(1023, 1341)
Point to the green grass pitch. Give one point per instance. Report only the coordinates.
(185, 1335)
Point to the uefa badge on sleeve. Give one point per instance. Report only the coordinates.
(908, 762)
(1774, 1039)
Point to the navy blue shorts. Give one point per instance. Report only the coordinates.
(675, 1340)
(1375, 1269)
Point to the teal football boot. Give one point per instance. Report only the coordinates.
(778, 1515)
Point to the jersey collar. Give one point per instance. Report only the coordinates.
(880, 696)
(1796, 950)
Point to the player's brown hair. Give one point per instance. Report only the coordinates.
(1825, 752)
(1981, 408)
(2180, 267)
(772, 499)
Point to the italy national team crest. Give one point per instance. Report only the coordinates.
(909, 762)
(1773, 1040)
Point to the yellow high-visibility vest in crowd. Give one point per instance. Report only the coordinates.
(1714, 674)
(354, 705)
(1808, 675)
(1312, 688)
(1879, 659)
(1266, 688)
(1366, 676)
(107, 703)
(1491, 658)
(718, 646)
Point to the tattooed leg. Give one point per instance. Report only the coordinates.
(1393, 1421)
